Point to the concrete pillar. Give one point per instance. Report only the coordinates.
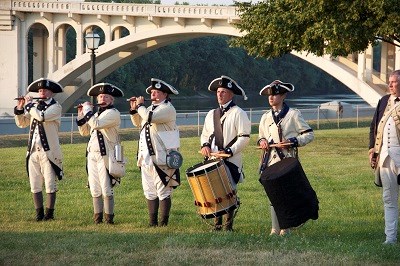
(384, 61)
(61, 52)
(79, 41)
(391, 59)
(117, 34)
(369, 59)
(38, 52)
(85, 50)
(10, 76)
(51, 53)
(397, 56)
(361, 66)
(107, 35)
(23, 67)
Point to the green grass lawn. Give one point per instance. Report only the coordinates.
(350, 228)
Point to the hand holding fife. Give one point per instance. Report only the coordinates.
(132, 102)
(140, 100)
(21, 102)
(86, 108)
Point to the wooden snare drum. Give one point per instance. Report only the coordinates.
(211, 188)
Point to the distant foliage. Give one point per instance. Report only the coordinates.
(191, 65)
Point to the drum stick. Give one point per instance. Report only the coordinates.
(277, 145)
(219, 154)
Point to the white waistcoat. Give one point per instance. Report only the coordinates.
(390, 143)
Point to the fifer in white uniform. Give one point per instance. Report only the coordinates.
(102, 127)
(44, 157)
(156, 121)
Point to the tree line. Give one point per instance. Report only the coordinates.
(191, 65)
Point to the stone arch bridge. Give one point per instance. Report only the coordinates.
(129, 31)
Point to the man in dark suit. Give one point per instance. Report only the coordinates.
(384, 153)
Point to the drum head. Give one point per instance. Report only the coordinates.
(281, 168)
(202, 168)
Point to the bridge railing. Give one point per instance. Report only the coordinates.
(317, 116)
(212, 12)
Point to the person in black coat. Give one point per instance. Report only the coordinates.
(384, 153)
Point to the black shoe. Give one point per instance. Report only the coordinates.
(109, 218)
(39, 214)
(217, 228)
(164, 221)
(98, 218)
(49, 214)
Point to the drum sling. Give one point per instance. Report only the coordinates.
(219, 142)
(163, 176)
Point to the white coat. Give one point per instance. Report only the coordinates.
(293, 125)
(51, 118)
(235, 123)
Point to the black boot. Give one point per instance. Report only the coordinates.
(229, 220)
(109, 218)
(38, 202)
(165, 207)
(49, 214)
(98, 218)
(217, 223)
(152, 205)
(39, 214)
(50, 203)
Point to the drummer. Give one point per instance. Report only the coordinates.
(226, 132)
(284, 127)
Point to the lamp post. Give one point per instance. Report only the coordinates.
(92, 43)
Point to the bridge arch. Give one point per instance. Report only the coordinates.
(119, 32)
(112, 55)
(60, 41)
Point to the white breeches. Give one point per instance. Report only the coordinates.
(99, 180)
(390, 189)
(153, 187)
(40, 169)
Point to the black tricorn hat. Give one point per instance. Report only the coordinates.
(158, 84)
(227, 83)
(105, 88)
(277, 87)
(43, 83)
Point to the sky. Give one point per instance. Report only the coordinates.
(195, 2)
